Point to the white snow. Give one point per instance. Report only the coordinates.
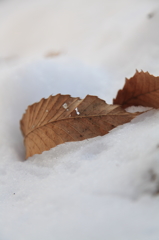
(77, 112)
(65, 105)
(97, 189)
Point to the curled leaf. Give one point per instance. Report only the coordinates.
(142, 89)
(62, 118)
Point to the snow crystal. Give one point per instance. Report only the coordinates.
(77, 112)
(65, 105)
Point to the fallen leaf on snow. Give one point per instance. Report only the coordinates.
(62, 118)
(52, 54)
(142, 89)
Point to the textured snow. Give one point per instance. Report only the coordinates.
(101, 188)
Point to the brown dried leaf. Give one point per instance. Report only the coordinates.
(62, 118)
(142, 89)
(52, 54)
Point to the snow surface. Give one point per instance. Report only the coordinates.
(97, 189)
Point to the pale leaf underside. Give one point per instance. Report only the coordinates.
(62, 118)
